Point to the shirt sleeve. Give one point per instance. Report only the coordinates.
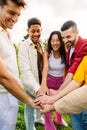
(27, 76)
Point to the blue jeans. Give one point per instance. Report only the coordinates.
(84, 119)
(79, 121)
(29, 115)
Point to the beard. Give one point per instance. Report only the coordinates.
(71, 43)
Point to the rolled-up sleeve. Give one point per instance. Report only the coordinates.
(74, 102)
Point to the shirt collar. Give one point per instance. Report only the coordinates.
(30, 41)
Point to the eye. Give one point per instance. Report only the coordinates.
(11, 12)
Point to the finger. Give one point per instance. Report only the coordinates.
(48, 92)
(37, 99)
(37, 103)
(42, 106)
(42, 111)
(40, 94)
(37, 107)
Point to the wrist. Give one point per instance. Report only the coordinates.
(52, 107)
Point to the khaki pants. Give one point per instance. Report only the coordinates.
(74, 102)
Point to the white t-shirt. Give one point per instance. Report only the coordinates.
(8, 54)
(56, 68)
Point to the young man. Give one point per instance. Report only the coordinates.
(77, 49)
(9, 14)
(28, 58)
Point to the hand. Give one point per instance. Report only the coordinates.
(52, 92)
(44, 99)
(43, 90)
(34, 105)
(46, 108)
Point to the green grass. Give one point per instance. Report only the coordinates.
(21, 123)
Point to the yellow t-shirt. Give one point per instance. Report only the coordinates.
(81, 72)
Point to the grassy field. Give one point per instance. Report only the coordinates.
(21, 124)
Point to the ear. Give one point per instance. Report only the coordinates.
(77, 32)
(41, 29)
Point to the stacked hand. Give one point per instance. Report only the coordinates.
(46, 108)
(45, 102)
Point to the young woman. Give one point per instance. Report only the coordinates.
(53, 73)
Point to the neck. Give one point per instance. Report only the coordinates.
(56, 54)
(76, 41)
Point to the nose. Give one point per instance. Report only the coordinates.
(55, 42)
(36, 33)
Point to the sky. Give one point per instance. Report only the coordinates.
(52, 13)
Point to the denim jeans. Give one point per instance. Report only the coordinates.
(29, 115)
(79, 121)
(84, 119)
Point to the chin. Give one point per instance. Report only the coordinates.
(35, 41)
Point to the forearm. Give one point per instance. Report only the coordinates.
(44, 76)
(45, 68)
(14, 88)
(12, 85)
(67, 79)
(70, 87)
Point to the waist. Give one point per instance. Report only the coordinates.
(55, 77)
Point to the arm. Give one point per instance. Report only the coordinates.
(12, 85)
(74, 102)
(78, 79)
(51, 99)
(67, 79)
(43, 89)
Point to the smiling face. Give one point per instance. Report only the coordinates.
(34, 32)
(9, 14)
(69, 37)
(55, 43)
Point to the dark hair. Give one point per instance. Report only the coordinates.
(69, 24)
(33, 21)
(18, 2)
(61, 50)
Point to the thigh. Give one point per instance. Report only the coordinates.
(8, 111)
(84, 119)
